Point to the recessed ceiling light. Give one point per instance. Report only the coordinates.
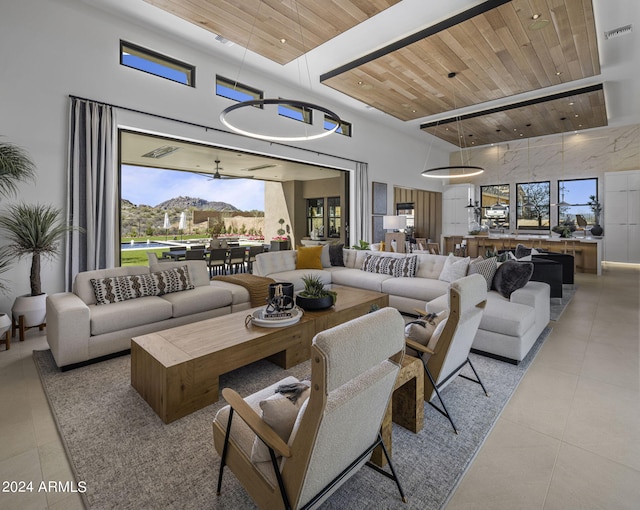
(538, 22)
(571, 103)
(283, 40)
(558, 73)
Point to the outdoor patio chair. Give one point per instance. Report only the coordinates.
(447, 351)
(353, 372)
(251, 256)
(217, 261)
(236, 259)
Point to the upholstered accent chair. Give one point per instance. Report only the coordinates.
(353, 371)
(447, 351)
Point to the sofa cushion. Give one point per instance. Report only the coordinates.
(128, 314)
(275, 262)
(502, 316)
(309, 257)
(499, 315)
(422, 289)
(199, 299)
(430, 266)
(359, 279)
(454, 269)
(336, 254)
(511, 276)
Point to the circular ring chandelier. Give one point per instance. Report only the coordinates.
(452, 171)
(331, 116)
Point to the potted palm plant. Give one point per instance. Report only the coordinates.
(36, 231)
(15, 167)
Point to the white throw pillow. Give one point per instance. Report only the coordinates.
(454, 269)
(280, 413)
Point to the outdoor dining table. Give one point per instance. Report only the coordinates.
(178, 254)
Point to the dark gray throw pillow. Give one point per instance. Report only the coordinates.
(511, 276)
(522, 251)
(335, 254)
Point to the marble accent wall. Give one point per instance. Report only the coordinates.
(585, 154)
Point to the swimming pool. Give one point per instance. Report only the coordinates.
(143, 245)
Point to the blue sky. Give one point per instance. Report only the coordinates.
(151, 186)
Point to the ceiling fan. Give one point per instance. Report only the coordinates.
(217, 175)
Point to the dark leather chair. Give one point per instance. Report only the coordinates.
(550, 272)
(564, 259)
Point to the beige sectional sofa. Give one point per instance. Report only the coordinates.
(509, 326)
(79, 329)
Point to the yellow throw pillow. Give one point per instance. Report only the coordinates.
(309, 257)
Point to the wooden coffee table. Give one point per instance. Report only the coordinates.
(176, 370)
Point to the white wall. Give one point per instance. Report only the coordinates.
(50, 49)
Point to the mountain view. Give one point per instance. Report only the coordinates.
(140, 220)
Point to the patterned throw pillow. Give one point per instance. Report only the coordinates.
(454, 269)
(406, 267)
(485, 267)
(175, 279)
(380, 265)
(121, 288)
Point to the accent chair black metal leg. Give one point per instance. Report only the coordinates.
(393, 471)
(444, 412)
(477, 377)
(283, 492)
(223, 460)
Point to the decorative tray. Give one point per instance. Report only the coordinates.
(259, 318)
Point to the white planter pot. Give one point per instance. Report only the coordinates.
(5, 324)
(34, 309)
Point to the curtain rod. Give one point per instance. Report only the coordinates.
(209, 128)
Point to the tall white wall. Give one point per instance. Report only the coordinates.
(50, 49)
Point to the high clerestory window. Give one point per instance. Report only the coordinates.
(232, 89)
(157, 64)
(299, 113)
(344, 129)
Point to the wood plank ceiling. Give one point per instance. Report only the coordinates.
(497, 49)
(261, 25)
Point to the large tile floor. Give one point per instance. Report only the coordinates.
(568, 439)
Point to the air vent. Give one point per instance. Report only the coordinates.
(223, 40)
(617, 32)
(261, 167)
(160, 152)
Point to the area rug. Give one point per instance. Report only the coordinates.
(558, 305)
(130, 459)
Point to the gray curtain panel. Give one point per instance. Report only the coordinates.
(91, 189)
(362, 226)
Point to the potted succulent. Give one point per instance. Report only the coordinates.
(34, 230)
(15, 167)
(314, 296)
